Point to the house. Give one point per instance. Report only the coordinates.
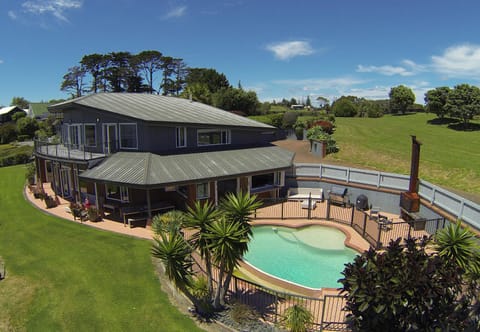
(38, 111)
(6, 113)
(124, 150)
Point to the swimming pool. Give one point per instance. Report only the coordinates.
(312, 256)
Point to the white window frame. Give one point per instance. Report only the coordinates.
(122, 190)
(224, 133)
(75, 134)
(94, 145)
(120, 125)
(206, 194)
(179, 132)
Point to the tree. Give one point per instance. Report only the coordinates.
(149, 62)
(179, 74)
(20, 102)
(230, 236)
(198, 92)
(18, 115)
(213, 80)
(166, 85)
(73, 81)
(436, 99)
(95, 65)
(322, 101)
(8, 133)
(175, 254)
(463, 102)
(199, 217)
(118, 70)
(233, 99)
(228, 242)
(401, 97)
(405, 288)
(27, 126)
(344, 107)
(308, 102)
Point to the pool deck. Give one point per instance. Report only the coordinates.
(353, 240)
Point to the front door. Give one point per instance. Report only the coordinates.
(109, 138)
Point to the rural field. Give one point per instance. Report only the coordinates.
(64, 276)
(448, 157)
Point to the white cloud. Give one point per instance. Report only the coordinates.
(316, 84)
(458, 61)
(176, 13)
(409, 68)
(1, 61)
(56, 8)
(12, 15)
(288, 50)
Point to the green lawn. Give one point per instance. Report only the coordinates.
(64, 276)
(448, 157)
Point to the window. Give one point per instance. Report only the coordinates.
(75, 135)
(128, 136)
(181, 137)
(213, 137)
(262, 180)
(119, 193)
(203, 190)
(90, 135)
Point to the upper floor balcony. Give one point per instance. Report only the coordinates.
(74, 152)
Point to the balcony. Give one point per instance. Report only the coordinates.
(66, 151)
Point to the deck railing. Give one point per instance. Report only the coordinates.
(449, 202)
(66, 151)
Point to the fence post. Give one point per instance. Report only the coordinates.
(353, 214)
(364, 225)
(328, 210)
(379, 237)
(309, 206)
(323, 312)
(276, 307)
(281, 212)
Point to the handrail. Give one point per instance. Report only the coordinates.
(447, 201)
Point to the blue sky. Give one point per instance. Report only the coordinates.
(278, 48)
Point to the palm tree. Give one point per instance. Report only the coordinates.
(460, 246)
(198, 218)
(228, 243)
(238, 208)
(175, 254)
(297, 318)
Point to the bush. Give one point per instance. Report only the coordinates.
(16, 159)
(326, 126)
(8, 133)
(344, 107)
(289, 119)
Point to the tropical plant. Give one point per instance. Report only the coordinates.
(406, 288)
(199, 217)
(240, 207)
(228, 242)
(171, 221)
(459, 245)
(175, 254)
(297, 318)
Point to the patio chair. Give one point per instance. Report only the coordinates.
(374, 213)
(385, 223)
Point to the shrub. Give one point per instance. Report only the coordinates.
(289, 119)
(8, 133)
(344, 107)
(326, 126)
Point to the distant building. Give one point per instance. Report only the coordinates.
(297, 107)
(38, 111)
(6, 113)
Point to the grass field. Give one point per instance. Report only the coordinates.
(448, 157)
(64, 276)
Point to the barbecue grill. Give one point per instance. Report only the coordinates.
(338, 195)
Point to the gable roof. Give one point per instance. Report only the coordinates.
(147, 169)
(6, 110)
(156, 108)
(37, 109)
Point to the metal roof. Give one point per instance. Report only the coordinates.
(6, 110)
(156, 108)
(147, 169)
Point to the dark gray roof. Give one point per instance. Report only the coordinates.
(147, 169)
(156, 108)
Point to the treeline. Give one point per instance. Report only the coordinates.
(152, 72)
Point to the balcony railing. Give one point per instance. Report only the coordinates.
(66, 151)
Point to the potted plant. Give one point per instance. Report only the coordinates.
(50, 201)
(93, 213)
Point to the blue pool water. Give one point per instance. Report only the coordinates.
(312, 256)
